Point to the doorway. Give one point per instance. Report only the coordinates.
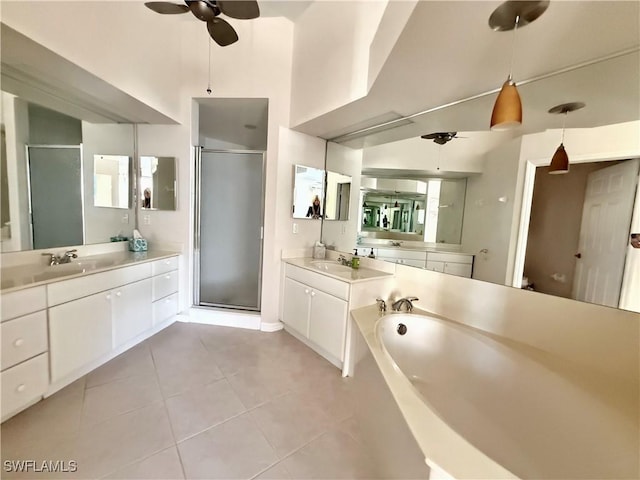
(229, 228)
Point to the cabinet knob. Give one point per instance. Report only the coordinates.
(168, 300)
(21, 388)
(108, 296)
(313, 294)
(118, 294)
(168, 277)
(168, 262)
(306, 290)
(18, 342)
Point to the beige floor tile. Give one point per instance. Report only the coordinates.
(197, 409)
(135, 361)
(175, 340)
(120, 396)
(290, 421)
(334, 455)
(164, 465)
(215, 338)
(107, 446)
(235, 449)
(277, 472)
(54, 419)
(185, 371)
(351, 427)
(258, 385)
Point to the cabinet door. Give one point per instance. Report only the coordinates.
(295, 311)
(459, 269)
(435, 266)
(328, 323)
(79, 332)
(132, 312)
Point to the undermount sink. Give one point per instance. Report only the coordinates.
(71, 268)
(329, 266)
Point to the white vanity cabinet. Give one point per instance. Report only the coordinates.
(412, 258)
(452, 263)
(164, 289)
(315, 310)
(24, 361)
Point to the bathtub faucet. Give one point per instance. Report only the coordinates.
(397, 305)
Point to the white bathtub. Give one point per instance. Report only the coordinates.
(531, 414)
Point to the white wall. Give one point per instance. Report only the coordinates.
(343, 234)
(296, 149)
(331, 55)
(489, 223)
(101, 223)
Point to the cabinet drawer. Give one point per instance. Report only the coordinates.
(163, 266)
(23, 338)
(67, 290)
(411, 263)
(459, 269)
(165, 284)
(22, 302)
(24, 383)
(316, 280)
(165, 308)
(450, 257)
(406, 254)
(435, 266)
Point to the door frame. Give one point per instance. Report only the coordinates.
(82, 192)
(531, 167)
(199, 150)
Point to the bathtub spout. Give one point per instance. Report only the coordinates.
(408, 301)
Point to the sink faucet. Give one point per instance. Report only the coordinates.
(66, 257)
(395, 244)
(343, 261)
(397, 305)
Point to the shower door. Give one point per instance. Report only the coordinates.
(229, 228)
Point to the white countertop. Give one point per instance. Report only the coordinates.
(488, 407)
(346, 274)
(32, 275)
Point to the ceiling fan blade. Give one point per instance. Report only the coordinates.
(222, 32)
(241, 9)
(166, 8)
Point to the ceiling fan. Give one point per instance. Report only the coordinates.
(441, 137)
(209, 11)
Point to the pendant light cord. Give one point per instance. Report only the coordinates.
(209, 70)
(564, 122)
(513, 47)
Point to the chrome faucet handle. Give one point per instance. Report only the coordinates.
(382, 305)
(71, 253)
(53, 258)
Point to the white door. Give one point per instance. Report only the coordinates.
(131, 307)
(328, 323)
(79, 332)
(295, 311)
(604, 233)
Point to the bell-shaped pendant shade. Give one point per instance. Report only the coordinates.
(507, 111)
(559, 162)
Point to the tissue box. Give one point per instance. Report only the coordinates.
(137, 245)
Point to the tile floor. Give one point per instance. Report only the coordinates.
(197, 401)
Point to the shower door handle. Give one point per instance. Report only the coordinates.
(261, 233)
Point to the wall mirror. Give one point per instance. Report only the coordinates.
(337, 199)
(57, 180)
(308, 192)
(111, 181)
(433, 213)
(158, 183)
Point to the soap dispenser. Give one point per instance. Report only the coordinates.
(355, 260)
(371, 254)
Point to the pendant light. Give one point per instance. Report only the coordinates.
(560, 160)
(511, 15)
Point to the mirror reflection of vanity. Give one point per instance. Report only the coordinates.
(157, 183)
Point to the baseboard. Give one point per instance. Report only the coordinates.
(224, 318)
(271, 326)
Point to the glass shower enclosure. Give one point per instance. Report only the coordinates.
(229, 228)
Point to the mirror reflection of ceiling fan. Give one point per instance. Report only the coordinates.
(209, 11)
(441, 137)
